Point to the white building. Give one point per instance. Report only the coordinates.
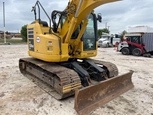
(140, 29)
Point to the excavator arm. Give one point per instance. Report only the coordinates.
(76, 16)
(78, 10)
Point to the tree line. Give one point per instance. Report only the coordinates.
(100, 32)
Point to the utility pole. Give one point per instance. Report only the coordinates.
(106, 25)
(4, 21)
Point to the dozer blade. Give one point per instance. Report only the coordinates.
(89, 98)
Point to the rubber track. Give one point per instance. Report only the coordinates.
(59, 73)
(62, 74)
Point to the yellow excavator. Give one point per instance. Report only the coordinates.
(60, 60)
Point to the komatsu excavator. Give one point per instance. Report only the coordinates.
(60, 57)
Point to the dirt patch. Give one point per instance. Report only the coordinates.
(19, 96)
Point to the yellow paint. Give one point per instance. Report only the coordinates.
(56, 48)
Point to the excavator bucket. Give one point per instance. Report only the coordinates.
(89, 98)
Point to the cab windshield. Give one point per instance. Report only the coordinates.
(89, 37)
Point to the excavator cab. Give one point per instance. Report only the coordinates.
(89, 37)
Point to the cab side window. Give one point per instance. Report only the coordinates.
(135, 39)
(128, 39)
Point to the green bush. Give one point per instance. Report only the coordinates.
(101, 31)
(24, 32)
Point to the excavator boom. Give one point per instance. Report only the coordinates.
(79, 10)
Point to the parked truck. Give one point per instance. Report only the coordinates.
(104, 40)
(136, 44)
(108, 40)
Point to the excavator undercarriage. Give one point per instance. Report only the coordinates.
(93, 82)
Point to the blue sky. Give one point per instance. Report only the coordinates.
(118, 15)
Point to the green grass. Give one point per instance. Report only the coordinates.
(13, 41)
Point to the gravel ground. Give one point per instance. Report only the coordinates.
(19, 96)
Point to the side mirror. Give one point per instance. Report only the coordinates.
(99, 17)
(33, 8)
